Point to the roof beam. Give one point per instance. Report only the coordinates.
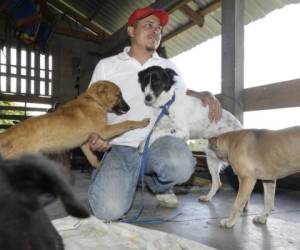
(178, 6)
(120, 37)
(79, 18)
(61, 30)
(99, 5)
(203, 12)
(193, 15)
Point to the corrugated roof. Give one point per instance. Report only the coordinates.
(254, 10)
(112, 15)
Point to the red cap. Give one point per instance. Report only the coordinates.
(147, 11)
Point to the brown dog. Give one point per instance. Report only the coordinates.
(258, 154)
(71, 125)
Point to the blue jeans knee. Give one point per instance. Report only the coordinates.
(170, 162)
(113, 185)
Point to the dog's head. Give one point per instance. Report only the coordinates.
(218, 145)
(28, 184)
(109, 96)
(155, 81)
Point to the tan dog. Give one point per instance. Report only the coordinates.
(258, 154)
(71, 124)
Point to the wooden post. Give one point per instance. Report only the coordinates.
(233, 56)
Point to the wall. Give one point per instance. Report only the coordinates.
(64, 50)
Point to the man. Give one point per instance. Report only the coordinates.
(169, 161)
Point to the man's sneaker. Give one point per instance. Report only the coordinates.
(167, 199)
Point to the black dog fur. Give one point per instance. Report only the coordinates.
(27, 184)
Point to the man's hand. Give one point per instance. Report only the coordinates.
(214, 106)
(96, 143)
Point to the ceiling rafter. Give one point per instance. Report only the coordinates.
(97, 9)
(79, 18)
(193, 15)
(61, 30)
(178, 6)
(203, 12)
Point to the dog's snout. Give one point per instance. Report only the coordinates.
(121, 107)
(125, 106)
(148, 98)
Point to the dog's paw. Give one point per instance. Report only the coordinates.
(226, 223)
(145, 122)
(203, 198)
(260, 219)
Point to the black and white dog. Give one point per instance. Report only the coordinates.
(27, 184)
(187, 119)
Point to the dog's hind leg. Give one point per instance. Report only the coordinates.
(214, 167)
(269, 195)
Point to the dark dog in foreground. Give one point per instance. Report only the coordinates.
(261, 154)
(27, 184)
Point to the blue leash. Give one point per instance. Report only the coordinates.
(134, 218)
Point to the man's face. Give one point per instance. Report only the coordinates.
(146, 33)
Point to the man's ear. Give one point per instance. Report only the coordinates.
(130, 31)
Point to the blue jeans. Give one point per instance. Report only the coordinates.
(113, 185)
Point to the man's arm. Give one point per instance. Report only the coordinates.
(214, 106)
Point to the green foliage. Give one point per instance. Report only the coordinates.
(9, 112)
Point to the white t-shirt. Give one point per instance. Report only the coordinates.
(123, 71)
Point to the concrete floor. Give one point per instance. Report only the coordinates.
(199, 221)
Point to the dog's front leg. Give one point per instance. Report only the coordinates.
(91, 157)
(269, 195)
(113, 130)
(245, 188)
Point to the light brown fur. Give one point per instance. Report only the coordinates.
(69, 126)
(258, 154)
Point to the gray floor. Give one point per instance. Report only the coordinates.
(199, 221)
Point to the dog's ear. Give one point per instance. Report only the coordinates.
(38, 181)
(142, 78)
(171, 75)
(101, 87)
(97, 87)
